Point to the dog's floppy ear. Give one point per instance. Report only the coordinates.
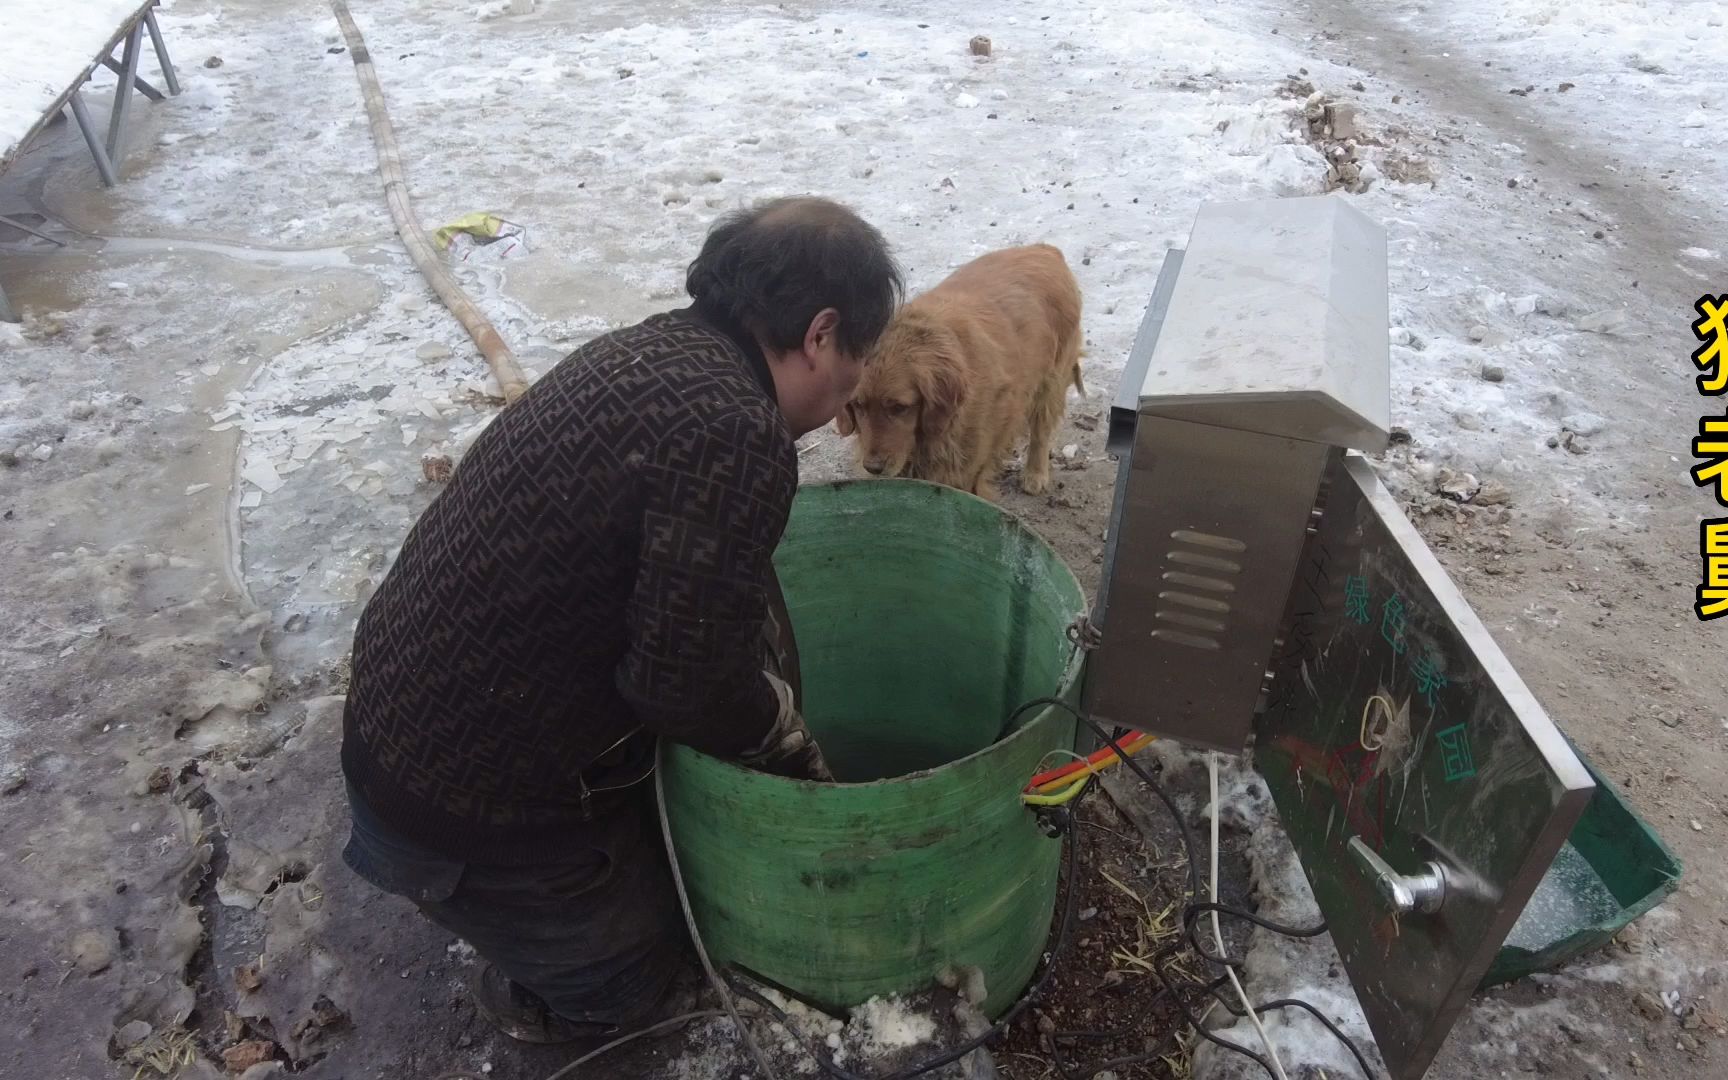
(845, 421)
(942, 385)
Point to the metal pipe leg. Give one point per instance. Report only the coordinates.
(14, 223)
(6, 312)
(104, 165)
(166, 64)
(138, 83)
(123, 92)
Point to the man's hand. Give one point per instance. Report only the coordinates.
(788, 750)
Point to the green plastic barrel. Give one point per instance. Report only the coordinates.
(924, 617)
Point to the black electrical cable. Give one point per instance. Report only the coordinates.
(1298, 1003)
(1200, 907)
(1064, 930)
(1195, 1022)
(1191, 929)
(1088, 1072)
(1192, 932)
(1195, 905)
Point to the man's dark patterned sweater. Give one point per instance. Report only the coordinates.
(596, 567)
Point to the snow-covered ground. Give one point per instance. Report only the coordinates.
(215, 415)
(1635, 76)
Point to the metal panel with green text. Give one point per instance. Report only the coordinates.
(1424, 788)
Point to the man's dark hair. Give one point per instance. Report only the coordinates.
(774, 267)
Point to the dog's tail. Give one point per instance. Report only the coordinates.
(1079, 386)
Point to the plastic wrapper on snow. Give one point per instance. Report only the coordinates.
(482, 236)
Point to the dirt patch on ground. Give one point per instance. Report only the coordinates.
(1104, 1001)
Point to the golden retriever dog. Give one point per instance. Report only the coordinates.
(966, 369)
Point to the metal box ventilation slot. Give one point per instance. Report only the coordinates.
(1239, 390)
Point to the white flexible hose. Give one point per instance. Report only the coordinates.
(1218, 932)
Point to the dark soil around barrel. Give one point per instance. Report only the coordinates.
(1103, 1003)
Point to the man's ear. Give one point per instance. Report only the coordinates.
(846, 422)
(821, 331)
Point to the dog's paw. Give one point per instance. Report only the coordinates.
(1035, 483)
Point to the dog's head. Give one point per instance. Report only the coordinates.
(913, 385)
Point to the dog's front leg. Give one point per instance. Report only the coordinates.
(985, 487)
(1035, 478)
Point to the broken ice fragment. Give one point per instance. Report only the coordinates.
(262, 474)
(1603, 322)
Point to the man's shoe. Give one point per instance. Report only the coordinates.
(520, 1013)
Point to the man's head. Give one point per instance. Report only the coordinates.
(814, 284)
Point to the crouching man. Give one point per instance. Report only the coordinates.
(595, 576)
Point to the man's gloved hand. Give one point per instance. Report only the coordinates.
(788, 749)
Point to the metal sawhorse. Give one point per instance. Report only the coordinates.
(106, 149)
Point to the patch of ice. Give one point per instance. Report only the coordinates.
(262, 474)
